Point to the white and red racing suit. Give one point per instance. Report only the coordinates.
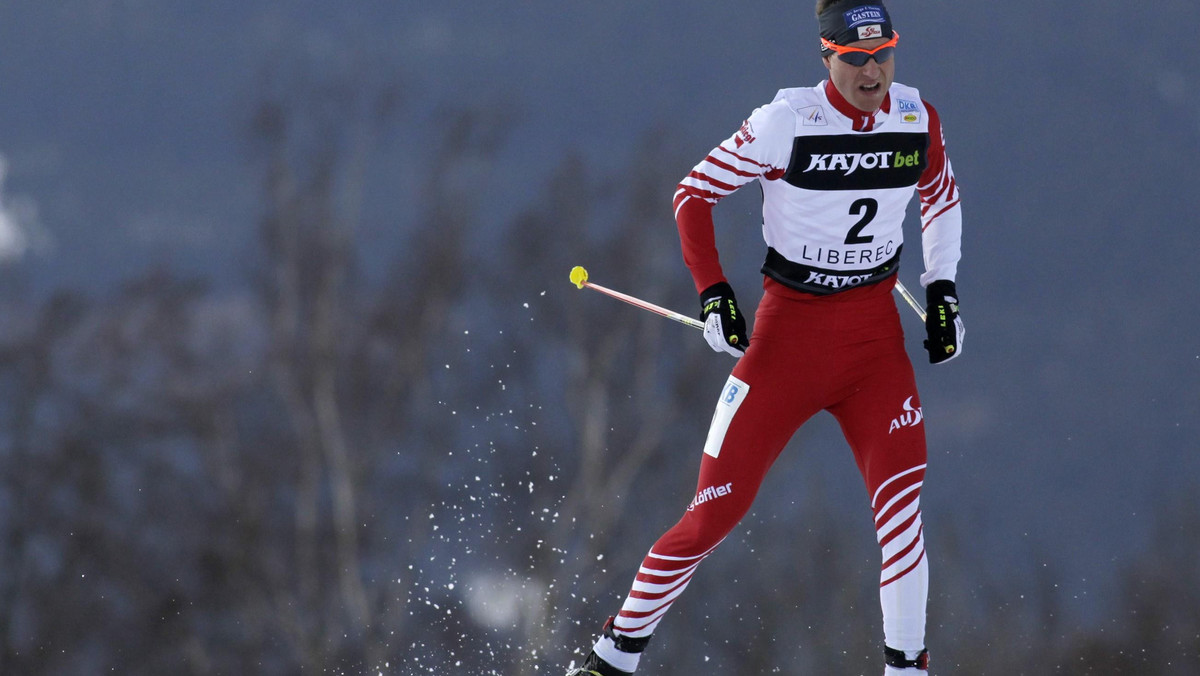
(826, 336)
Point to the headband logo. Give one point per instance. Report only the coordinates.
(868, 32)
(864, 15)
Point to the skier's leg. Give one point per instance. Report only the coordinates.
(761, 406)
(884, 425)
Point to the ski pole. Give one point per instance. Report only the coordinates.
(579, 277)
(912, 302)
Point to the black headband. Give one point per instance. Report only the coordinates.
(848, 21)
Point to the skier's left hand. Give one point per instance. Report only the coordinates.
(943, 324)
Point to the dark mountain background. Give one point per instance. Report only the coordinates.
(292, 378)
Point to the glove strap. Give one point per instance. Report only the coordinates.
(938, 291)
(718, 290)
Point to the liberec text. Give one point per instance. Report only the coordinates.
(876, 255)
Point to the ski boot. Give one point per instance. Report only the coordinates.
(594, 665)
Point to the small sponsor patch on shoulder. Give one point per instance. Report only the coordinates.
(744, 135)
(813, 116)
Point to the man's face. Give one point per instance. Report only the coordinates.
(863, 86)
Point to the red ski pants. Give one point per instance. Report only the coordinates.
(843, 354)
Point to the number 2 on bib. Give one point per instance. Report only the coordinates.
(868, 208)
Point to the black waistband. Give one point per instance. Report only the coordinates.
(821, 281)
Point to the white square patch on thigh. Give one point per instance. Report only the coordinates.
(731, 398)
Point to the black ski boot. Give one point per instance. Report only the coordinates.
(593, 665)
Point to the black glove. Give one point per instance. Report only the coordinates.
(724, 325)
(942, 323)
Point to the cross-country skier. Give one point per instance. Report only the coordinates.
(837, 164)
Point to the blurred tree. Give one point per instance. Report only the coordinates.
(105, 406)
(625, 379)
(1156, 625)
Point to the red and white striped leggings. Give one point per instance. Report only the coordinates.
(844, 354)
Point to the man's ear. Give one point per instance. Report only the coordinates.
(825, 60)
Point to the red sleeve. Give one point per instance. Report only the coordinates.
(693, 218)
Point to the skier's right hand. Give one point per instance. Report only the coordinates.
(724, 325)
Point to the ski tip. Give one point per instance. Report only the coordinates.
(579, 276)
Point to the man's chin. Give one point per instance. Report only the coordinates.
(869, 100)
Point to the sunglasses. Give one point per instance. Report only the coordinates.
(859, 57)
